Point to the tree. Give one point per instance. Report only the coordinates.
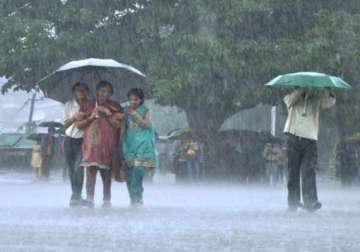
(210, 58)
(38, 36)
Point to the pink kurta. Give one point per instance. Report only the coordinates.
(100, 139)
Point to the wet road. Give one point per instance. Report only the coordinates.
(216, 217)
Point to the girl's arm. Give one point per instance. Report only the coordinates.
(75, 118)
(143, 122)
(68, 120)
(116, 120)
(86, 121)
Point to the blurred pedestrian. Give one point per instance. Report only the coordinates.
(272, 154)
(36, 159)
(192, 157)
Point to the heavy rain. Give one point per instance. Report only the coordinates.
(228, 125)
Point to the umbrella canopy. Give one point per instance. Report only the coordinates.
(179, 132)
(51, 124)
(38, 132)
(257, 119)
(183, 133)
(35, 136)
(308, 80)
(243, 135)
(58, 84)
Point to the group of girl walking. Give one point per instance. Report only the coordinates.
(104, 137)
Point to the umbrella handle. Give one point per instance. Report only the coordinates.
(97, 113)
(306, 104)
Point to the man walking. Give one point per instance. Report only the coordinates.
(302, 127)
(73, 141)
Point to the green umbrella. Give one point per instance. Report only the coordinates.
(308, 80)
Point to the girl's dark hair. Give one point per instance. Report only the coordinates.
(138, 92)
(80, 84)
(103, 84)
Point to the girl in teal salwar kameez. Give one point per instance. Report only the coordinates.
(138, 146)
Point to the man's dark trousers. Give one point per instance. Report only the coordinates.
(302, 162)
(73, 155)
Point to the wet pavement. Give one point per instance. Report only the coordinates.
(34, 216)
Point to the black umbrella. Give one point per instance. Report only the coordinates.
(51, 124)
(58, 84)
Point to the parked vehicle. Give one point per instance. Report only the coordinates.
(15, 150)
